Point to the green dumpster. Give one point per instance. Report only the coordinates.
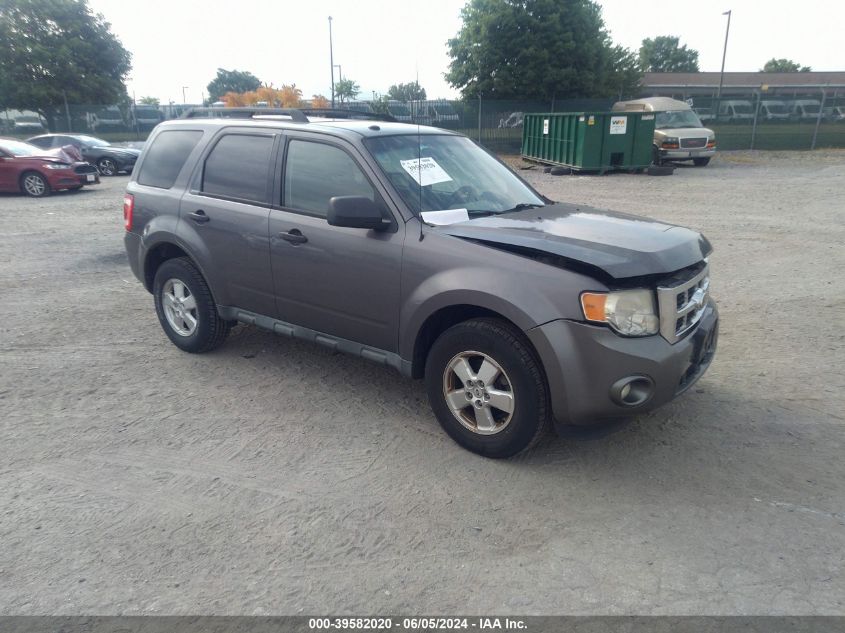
(590, 141)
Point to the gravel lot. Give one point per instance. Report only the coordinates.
(273, 476)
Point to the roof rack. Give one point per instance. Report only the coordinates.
(298, 115)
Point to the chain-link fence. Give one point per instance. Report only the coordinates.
(754, 121)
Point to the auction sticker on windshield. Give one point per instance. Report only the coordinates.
(425, 171)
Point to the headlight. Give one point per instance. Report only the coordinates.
(56, 166)
(629, 312)
(671, 142)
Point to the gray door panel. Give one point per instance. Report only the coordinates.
(343, 282)
(235, 234)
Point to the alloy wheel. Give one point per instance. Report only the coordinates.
(106, 167)
(34, 185)
(180, 307)
(478, 392)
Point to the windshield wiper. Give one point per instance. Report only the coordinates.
(522, 206)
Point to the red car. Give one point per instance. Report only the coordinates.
(35, 172)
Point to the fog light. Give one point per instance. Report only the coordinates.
(632, 391)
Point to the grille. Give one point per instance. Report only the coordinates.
(85, 169)
(681, 304)
(693, 142)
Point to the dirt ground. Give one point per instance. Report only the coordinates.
(272, 476)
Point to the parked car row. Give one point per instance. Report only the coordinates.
(772, 110)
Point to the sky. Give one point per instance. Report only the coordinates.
(177, 45)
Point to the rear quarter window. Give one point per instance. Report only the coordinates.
(166, 157)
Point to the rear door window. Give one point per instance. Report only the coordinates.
(166, 157)
(239, 168)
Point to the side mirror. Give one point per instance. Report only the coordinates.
(356, 212)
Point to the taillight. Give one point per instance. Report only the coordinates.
(128, 208)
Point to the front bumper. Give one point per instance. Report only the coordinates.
(583, 362)
(66, 179)
(687, 154)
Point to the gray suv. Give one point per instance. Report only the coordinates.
(415, 248)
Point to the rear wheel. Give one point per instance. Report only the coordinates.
(35, 185)
(487, 388)
(186, 309)
(701, 162)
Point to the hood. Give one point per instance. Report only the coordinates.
(684, 132)
(620, 245)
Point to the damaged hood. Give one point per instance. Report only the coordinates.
(619, 244)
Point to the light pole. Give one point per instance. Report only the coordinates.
(724, 54)
(184, 100)
(331, 57)
(339, 71)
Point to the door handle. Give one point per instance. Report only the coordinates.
(199, 216)
(294, 236)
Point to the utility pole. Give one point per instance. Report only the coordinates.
(184, 100)
(724, 54)
(331, 57)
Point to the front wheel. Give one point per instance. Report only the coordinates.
(487, 388)
(35, 185)
(107, 167)
(186, 309)
(701, 162)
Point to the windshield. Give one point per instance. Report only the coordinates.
(676, 119)
(811, 108)
(92, 141)
(456, 174)
(19, 148)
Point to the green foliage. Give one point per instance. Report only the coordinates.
(536, 49)
(379, 104)
(237, 81)
(784, 66)
(148, 101)
(664, 54)
(346, 90)
(411, 91)
(57, 49)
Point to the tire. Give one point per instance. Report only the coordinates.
(655, 156)
(517, 372)
(34, 184)
(701, 162)
(107, 166)
(661, 170)
(560, 171)
(176, 317)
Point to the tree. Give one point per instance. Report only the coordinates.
(231, 81)
(153, 101)
(664, 54)
(57, 51)
(282, 97)
(534, 49)
(411, 91)
(346, 90)
(320, 102)
(784, 66)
